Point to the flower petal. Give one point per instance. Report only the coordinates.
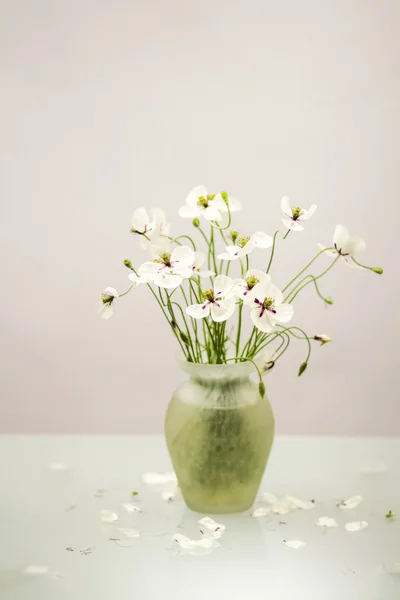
(296, 544)
(107, 516)
(156, 245)
(159, 478)
(106, 311)
(188, 544)
(184, 272)
(286, 207)
(212, 213)
(262, 511)
(328, 252)
(293, 225)
(231, 253)
(217, 529)
(284, 313)
(303, 504)
(199, 258)
(269, 498)
(354, 245)
(206, 273)
(308, 213)
(265, 321)
(340, 236)
(193, 196)
(140, 220)
(356, 526)
(350, 503)
(326, 522)
(183, 255)
(189, 212)
(261, 240)
(168, 496)
(166, 279)
(148, 270)
(223, 285)
(222, 310)
(131, 508)
(198, 311)
(129, 533)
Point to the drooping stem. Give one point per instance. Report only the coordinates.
(305, 268)
(273, 246)
(291, 297)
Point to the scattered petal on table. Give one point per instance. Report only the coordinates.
(302, 504)
(261, 511)
(392, 568)
(129, 533)
(326, 522)
(36, 570)
(216, 529)
(168, 496)
(203, 546)
(350, 503)
(374, 468)
(294, 544)
(269, 498)
(128, 506)
(59, 466)
(108, 516)
(159, 478)
(356, 525)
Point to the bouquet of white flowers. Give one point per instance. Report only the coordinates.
(197, 292)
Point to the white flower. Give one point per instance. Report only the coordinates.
(244, 288)
(169, 269)
(245, 245)
(268, 308)
(198, 262)
(295, 544)
(350, 503)
(265, 361)
(326, 522)
(356, 526)
(211, 206)
(106, 308)
(295, 214)
(218, 301)
(346, 245)
(151, 227)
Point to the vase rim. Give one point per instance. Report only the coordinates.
(213, 371)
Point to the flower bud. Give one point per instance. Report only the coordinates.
(303, 367)
(128, 264)
(173, 324)
(323, 338)
(224, 196)
(377, 270)
(261, 389)
(328, 300)
(234, 236)
(184, 338)
(196, 222)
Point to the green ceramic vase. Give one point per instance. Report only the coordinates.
(219, 433)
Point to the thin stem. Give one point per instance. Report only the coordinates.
(313, 279)
(239, 329)
(212, 249)
(127, 291)
(180, 237)
(306, 267)
(273, 246)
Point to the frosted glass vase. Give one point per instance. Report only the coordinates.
(219, 433)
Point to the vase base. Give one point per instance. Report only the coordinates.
(218, 509)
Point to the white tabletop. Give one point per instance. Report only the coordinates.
(44, 511)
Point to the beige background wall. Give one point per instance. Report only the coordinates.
(106, 106)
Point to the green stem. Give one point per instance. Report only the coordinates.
(239, 329)
(273, 246)
(313, 279)
(305, 268)
(180, 237)
(127, 291)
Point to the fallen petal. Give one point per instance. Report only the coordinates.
(36, 570)
(216, 528)
(261, 511)
(294, 544)
(326, 522)
(159, 478)
(108, 516)
(302, 504)
(128, 506)
(350, 503)
(168, 496)
(269, 498)
(356, 525)
(188, 544)
(129, 533)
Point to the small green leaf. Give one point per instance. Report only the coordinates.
(390, 515)
(134, 493)
(184, 338)
(261, 389)
(303, 367)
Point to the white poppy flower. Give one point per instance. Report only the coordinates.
(245, 245)
(159, 478)
(350, 503)
(326, 522)
(150, 226)
(244, 288)
(218, 302)
(356, 526)
(345, 245)
(294, 214)
(265, 362)
(106, 304)
(198, 262)
(169, 269)
(296, 544)
(211, 206)
(268, 308)
(107, 516)
(216, 529)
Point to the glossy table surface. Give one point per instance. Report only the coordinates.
(53, 489)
